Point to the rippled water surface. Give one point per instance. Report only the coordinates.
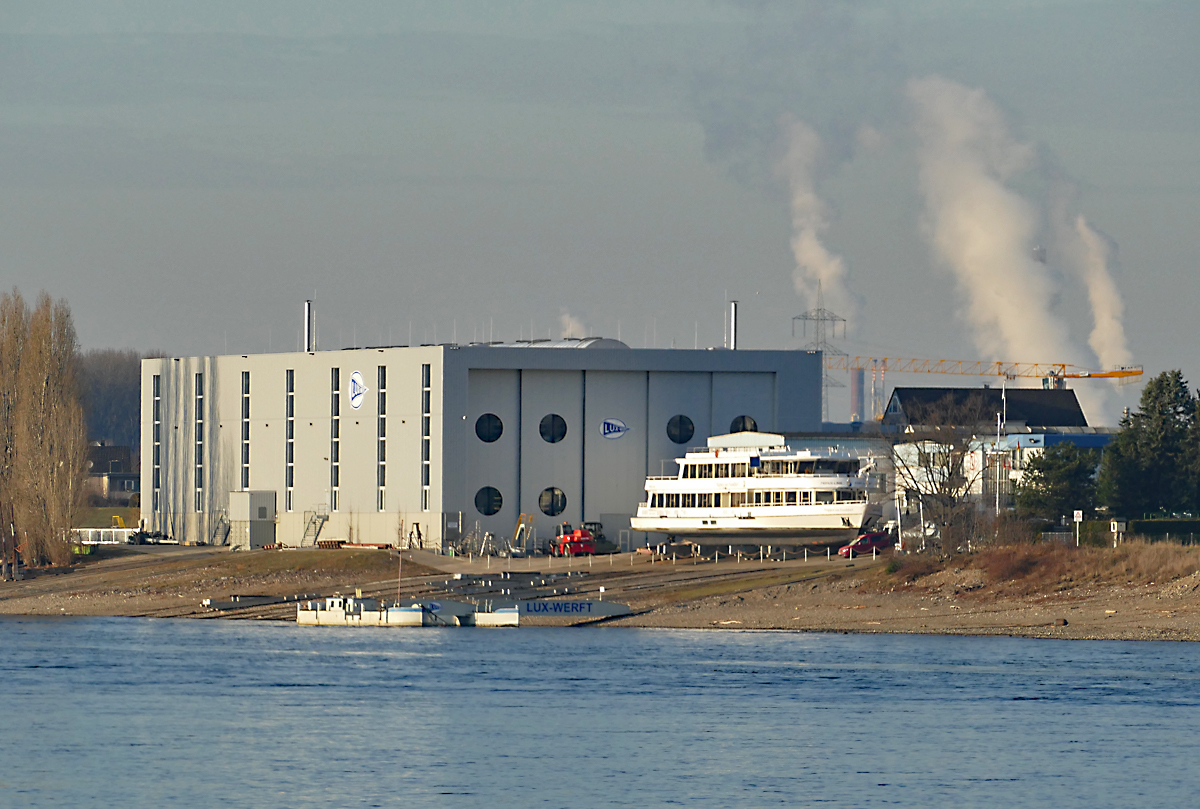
(130, 713)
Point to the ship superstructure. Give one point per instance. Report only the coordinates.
(752, 486)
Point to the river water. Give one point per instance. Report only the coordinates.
(100, 712)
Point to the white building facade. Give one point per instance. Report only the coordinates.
(376, 445)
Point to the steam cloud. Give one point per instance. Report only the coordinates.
(981, 229)
(985, 233)
(570, 326)
(1089, 253)
(814, 263)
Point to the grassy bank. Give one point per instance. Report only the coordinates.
(1023, 570)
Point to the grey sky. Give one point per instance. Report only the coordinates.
(187, 173)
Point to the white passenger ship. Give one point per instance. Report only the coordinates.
(747, 487)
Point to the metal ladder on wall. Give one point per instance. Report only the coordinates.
(314, 521)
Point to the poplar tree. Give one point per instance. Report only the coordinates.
(43, 450)
(14, 327)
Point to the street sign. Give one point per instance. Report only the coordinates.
(1078, 516)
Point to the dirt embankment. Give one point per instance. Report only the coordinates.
(171, 580)
(1145, 592)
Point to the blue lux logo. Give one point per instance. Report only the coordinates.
(358, 390)
(613, 428)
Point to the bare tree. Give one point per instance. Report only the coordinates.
(930, 458)
(14, 327)
(50, 447)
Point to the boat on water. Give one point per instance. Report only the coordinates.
(359, 611)
(750, 487)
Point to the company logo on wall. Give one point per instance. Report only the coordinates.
(613, 428)
(358, 390)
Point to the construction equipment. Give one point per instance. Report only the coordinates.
(570, 541)
(524, 535)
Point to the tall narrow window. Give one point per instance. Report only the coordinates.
(381, 436)
(289, 437)
(335, 434)
(426, 414)
(156, 482)
(245, 429)
(199, 443)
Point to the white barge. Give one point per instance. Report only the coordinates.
(357, 611)
(751, 487)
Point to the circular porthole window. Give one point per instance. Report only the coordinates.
(488, 500)
(552, 501)
(743, 424)
(489, 427)
(680, 429)
(553, 430)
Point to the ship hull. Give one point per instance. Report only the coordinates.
(782, 526)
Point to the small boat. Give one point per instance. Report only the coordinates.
(750, 487)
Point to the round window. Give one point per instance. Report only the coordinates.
(553, 430)
(552, 501)
(680, 429)
(488, 500)
(743, 424)
(489, 427)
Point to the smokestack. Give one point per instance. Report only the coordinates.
(856, 395)
(733, 325)
(310, 327)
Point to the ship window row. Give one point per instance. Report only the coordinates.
(759, 498)
(741, 470)
(716, 470)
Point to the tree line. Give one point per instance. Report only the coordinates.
(43, 445)
(1151, 466)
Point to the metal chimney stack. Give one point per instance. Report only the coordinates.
(857, 398)
(733, 325)
(310, 327)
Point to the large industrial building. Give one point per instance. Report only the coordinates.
(376, 444)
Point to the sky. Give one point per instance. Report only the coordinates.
(1004, 180)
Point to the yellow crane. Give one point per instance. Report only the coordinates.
(1011, 370)
(1052, 374)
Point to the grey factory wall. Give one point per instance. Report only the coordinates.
(598, 471)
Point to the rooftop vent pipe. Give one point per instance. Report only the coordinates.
(310, 327)
(733, 325)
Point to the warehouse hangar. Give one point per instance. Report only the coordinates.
(426, 443)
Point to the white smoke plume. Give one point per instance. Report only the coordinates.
(570, 326)
(1108, 310)
(983, 230)
(814, 263)
(1089, 254)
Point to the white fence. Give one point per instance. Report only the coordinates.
(103, 536)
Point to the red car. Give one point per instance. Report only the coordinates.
(878, 540)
